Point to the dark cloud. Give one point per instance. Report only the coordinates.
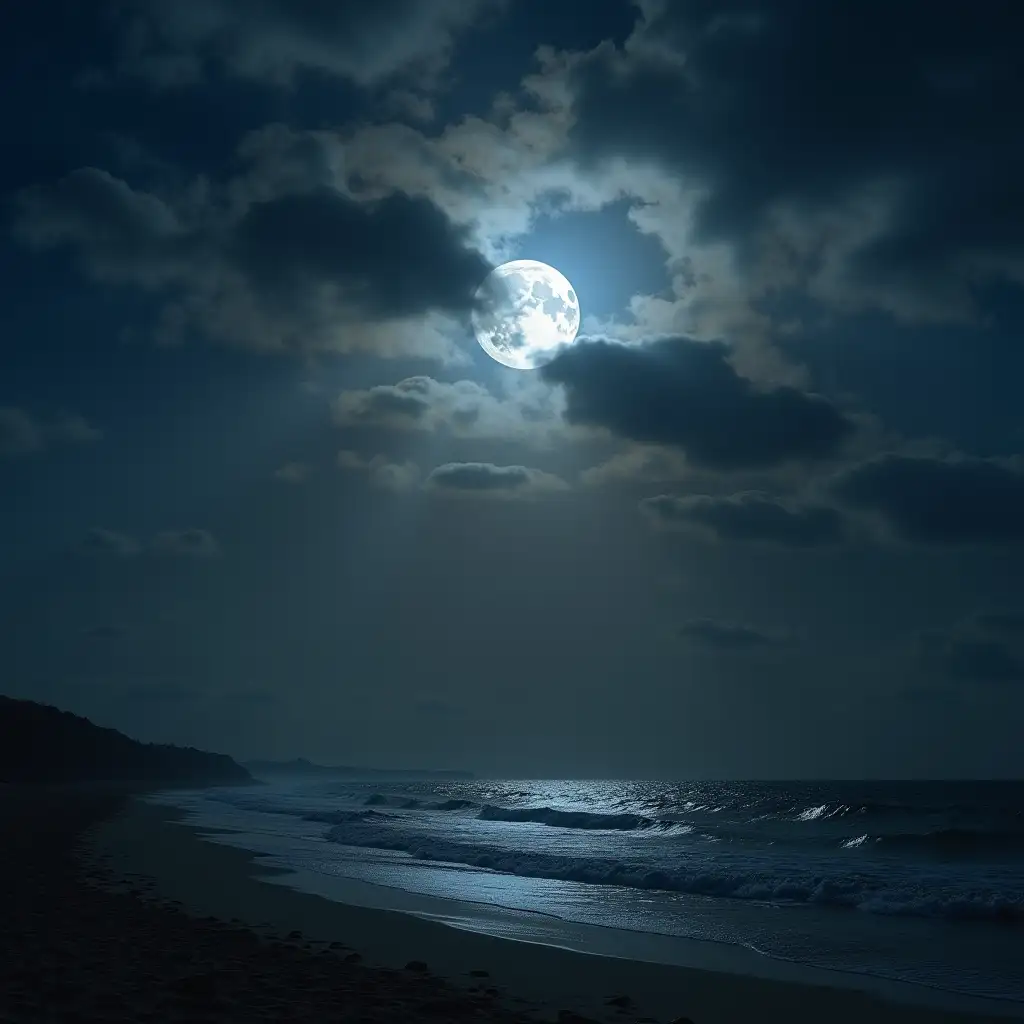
(398, 256)
(408, 401)
(685, 393)
(485, 478)
(289, 263)
(480, 476)
(749, 516)
(118, 233)
(180, 43)
(185, 543)
(800, 106)
(939, 500)
(726, 636)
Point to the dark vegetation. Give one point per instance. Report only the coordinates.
(40, 744)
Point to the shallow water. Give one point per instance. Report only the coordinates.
(919, 882)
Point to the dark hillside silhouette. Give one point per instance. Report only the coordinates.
(42, 744)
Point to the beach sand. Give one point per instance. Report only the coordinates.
(91, 932)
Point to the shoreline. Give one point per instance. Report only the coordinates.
(81, 943)
(224, 881)
(548, 930)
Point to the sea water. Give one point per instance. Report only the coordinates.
(912, 881)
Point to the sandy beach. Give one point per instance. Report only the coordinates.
(115, 911)
(79, 944)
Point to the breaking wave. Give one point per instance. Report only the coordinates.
(862, 892)
(381, 800)
(588, 820)
(565, 819)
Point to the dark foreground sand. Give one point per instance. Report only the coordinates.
(72, 950)
(84, 942)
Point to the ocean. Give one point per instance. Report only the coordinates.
(919, 882)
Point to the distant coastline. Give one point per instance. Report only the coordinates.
(301, 767)
(45, 745)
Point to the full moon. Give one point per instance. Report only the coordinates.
(525, 312)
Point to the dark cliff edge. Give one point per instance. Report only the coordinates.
(301, 767)
(42, 745)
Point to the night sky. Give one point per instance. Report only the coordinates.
(263, 492)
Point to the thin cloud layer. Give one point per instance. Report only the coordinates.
(19, 433)
(979, 649)
(294, 472)
(103, 542)
(748, 517)
(381, 470)
(22, 433)
(186, 543)
(462, 408)
(717, 635)
(484, 479)
(272, 41)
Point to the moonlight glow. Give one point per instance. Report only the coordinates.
(525, 312)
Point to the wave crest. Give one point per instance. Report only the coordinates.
(841, 891)
(565, 819)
